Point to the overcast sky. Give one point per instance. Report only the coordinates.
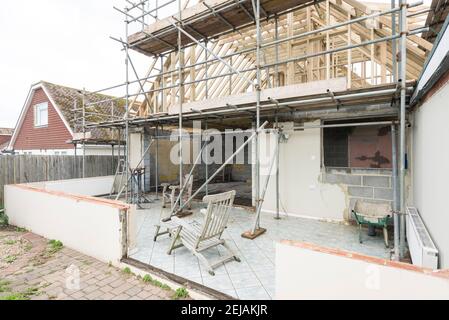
(61, 41)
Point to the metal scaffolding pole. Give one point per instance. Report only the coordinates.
(127, 110)
(207, 160)
(278, 141)
(394, 161)
(84, 136)
(257, 230)
(278, 84)
(180, 93)
(393, 43)
(256, 226)
(402, 155)
(206, 55)
(157, 163)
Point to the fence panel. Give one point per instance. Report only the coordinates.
(33, 168)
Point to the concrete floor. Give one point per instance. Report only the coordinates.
(254, 276)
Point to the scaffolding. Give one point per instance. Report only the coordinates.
(209, 54)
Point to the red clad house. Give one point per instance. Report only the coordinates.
(47, 123)
(5, 137)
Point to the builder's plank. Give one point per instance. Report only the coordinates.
(286, 92)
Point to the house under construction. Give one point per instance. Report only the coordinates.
(314, 99)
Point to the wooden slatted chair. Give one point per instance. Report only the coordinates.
(166, 224)
(174, 192)
(200, 236)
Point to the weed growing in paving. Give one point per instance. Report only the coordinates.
(55, 246)
(10, 259)
(148, 279)
(10, 242)
(180, 293)
(3, 219)
(4, 286)
(127, 270)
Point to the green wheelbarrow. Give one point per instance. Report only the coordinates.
(373, 215)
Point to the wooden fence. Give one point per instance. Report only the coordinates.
(31, 168)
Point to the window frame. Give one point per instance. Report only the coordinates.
(37, 110)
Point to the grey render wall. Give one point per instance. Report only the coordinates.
(370, 185)
(430, 178)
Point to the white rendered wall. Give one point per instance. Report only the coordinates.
(89, 225)
(301, 192)
(304, 273)
(430, 177)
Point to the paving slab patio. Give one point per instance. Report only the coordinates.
(254, 276)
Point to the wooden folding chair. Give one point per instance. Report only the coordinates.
(200, 236)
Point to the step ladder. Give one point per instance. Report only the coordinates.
(118, 177)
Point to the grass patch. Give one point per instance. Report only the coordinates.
(10, 259)
(26, 295)
(4, 286)
(15, 296)
(180, 293)
(19, 229)
(55, 246)
(148, 279)
(10, 242)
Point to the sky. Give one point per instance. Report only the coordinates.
(61, 41)
(65, 42)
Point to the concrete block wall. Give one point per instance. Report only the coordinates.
(371, 185)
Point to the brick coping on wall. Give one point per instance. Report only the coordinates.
(108, 202)
(444, 273)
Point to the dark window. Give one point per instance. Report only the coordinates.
(335, 147)
(357, 147)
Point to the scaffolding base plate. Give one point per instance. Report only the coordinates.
(252, 236)
(183, 213)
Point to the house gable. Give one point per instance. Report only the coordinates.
(52, 136)
(4, 138)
